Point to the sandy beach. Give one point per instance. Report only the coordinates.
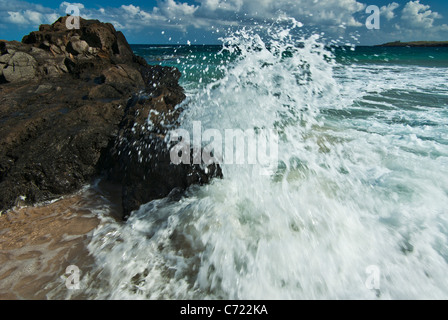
(38, 243)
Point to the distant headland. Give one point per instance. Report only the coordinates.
(415, 44)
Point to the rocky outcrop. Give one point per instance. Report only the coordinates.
(140, 159)
(418, 44)
(18, 66)
(75, 105)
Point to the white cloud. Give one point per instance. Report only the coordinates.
(419, 16)
(172, 9)
(327, 12)
(34, 17)
(65, 4)
(16, 18)
(130, 17)
(25, 14)
(29, 17)
(131, 9)
(388, 11)
(223, 5)
(417, 22)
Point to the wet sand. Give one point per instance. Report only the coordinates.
(38, 243)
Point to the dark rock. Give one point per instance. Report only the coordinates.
(51, 139)
(140, 157)
(3, 49)
(19, 66)
(75, 105)
(77, 46)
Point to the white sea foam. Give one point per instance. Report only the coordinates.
(352, 191)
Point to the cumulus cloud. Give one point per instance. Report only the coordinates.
(66, 4)
(417, 21)
(388, 11)
(418, 15)
(131, 17)
(173, 9)
(30, 17)
(328, 12)
(24, 14)
(16, 18)
(132, 10)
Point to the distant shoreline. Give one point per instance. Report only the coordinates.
(424, 44)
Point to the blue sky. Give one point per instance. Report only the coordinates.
(204, 21)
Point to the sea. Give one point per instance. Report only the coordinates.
(356, 207)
